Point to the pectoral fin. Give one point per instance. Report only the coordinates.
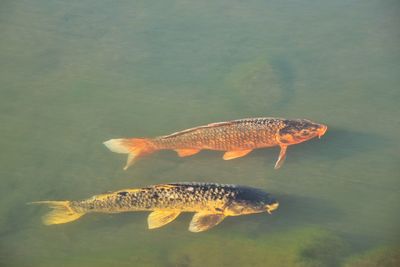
(160, 218)
(187, 152)
(281, 158)
(201, 222)
(236, 154)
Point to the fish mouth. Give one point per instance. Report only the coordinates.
(272, 207)
(322, 130)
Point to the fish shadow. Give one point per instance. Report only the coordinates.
(336, 144)
(305, 209)
(293, 211)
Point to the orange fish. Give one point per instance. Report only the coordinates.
(237, 138)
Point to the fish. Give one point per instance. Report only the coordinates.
(237, 138)
(211, 202)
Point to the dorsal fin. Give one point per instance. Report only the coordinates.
(216, 124)
(198, 184)
(163, 186)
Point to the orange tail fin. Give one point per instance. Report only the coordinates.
(135, 147)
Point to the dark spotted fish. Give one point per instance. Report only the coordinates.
(237, 138)
(211, 203)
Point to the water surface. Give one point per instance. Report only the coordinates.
(76, 73)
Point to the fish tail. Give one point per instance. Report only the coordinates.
(135, 147)
(61, 213)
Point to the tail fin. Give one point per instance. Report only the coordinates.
(61, 213)
(135, 147)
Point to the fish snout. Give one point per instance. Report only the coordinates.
(271, 207)
(322, 130)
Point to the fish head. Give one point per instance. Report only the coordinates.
(249, 201)
(271, 206)
(297, 131)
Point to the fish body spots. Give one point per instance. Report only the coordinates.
(123, 193)
(182, 197)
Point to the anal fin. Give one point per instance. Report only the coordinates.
(187, 152)
(160, 218)
(236, 154)
(204, 221)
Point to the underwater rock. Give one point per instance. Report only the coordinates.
(254, 85)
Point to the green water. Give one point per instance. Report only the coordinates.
(76, 73)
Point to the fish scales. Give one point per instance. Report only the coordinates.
(187, 197)
(224, 136)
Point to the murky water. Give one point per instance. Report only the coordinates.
(76, 73)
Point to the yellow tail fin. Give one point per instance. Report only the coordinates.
(135, 147)
(61, 213)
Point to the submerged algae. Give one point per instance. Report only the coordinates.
(304, 247)
(381, 257)
(323, 250)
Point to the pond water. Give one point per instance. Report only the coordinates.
(76, 73)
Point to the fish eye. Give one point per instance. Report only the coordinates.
(304, 132)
